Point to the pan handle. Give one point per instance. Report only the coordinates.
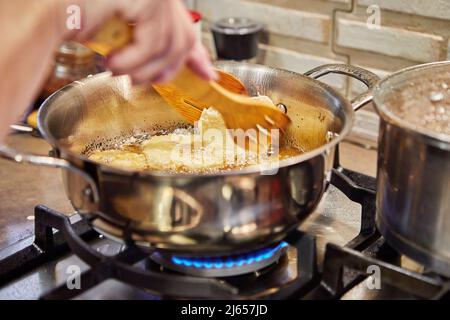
(370, 79)
(16, 156)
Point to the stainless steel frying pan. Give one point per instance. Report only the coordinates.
(219, 213)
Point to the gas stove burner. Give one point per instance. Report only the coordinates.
(221, 266)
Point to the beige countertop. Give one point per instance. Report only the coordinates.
(22, 187)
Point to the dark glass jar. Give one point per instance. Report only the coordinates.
(236, 38)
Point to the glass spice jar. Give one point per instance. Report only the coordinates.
(73, 61)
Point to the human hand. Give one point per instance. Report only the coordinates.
(163, 41)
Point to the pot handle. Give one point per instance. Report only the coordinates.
(16, 156)
(370, 79)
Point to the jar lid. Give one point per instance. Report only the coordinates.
(74, 53)
(236, 26)
(195, 15)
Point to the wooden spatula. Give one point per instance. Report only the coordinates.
(113, 35)
(231, 83)
(116, 33)
(190, 108)
(238, 111)
(190, 94)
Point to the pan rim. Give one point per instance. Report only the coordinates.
(345, 105)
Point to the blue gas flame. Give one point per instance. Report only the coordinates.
(230, 262)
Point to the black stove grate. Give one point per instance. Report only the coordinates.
(343, 268)
(122, 266)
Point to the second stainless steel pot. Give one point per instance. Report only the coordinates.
(413, 194)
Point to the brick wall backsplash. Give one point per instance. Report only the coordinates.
(439, 9)
(390, 41)
(448, 49)
(302, 34)
(293, 23)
